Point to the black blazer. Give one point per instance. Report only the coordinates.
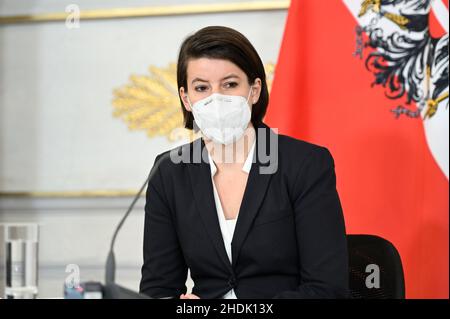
(289, 240)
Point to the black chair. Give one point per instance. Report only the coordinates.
(365, 250)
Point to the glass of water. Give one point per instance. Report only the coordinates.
(21, 260)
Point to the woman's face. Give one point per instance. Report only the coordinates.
(207, 76)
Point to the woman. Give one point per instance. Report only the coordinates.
(251, 213)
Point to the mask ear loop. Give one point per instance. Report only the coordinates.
(194, 124)
(189, 101)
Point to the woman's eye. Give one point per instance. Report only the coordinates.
(230, 85)
(201, 88)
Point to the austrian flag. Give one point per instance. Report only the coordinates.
(368, 79)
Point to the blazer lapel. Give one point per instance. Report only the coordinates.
(200, 176)
(255, 190)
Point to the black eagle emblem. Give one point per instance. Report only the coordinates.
(407, 61)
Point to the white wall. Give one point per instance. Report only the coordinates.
(57, 132)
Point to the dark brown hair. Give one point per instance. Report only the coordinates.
(217, 42)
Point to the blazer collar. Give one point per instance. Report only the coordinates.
(245, 167)
(255, 191)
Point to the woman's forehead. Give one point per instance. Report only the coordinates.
(212, 69)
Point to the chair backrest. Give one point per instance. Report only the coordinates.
(374, 260)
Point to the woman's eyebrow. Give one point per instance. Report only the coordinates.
(230, 76)
(198, 80)
(223, 79)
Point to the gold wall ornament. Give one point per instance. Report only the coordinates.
(270, 71)
(151, 103)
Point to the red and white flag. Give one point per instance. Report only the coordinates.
(369, 80)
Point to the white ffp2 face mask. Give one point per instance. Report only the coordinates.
(222, 118)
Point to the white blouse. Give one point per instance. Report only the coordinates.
(227, 226)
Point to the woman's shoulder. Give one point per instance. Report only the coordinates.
(186, 153)
(297, 147)
(293, 148)
(298, 154)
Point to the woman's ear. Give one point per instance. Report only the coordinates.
(185, 100)
(256, 91)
